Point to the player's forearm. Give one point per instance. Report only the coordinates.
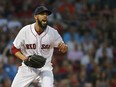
(17, 53)
(20, 55)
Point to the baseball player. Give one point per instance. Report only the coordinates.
(39, 39)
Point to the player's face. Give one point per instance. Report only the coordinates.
(42, 20)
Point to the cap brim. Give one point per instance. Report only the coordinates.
(47, 11)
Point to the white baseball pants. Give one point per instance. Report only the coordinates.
(26, 75)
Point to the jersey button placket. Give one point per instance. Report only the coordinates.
(38, 45)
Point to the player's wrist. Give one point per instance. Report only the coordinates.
(25, 58)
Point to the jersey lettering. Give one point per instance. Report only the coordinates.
(45, 46)
(31, 46)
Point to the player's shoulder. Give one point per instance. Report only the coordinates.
(51, 29)
(26, 27)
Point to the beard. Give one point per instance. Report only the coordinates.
(42, 25)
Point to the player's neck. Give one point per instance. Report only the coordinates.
(37, 28)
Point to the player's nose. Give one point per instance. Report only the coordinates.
(45, 17)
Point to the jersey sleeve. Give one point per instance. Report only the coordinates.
(57, 39)
(14, 49)
(18, 41)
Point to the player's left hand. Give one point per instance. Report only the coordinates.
(62, 47)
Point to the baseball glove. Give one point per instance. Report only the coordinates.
(35, 61)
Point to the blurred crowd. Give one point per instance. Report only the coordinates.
(87, 26)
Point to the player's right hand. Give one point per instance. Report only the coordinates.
(62, 47)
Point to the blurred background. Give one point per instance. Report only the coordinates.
(87, 26)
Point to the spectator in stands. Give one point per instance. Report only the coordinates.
(9, 67)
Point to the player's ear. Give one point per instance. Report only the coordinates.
(35, 17)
